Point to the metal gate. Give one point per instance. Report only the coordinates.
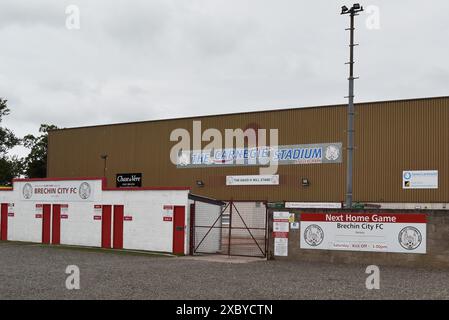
(238, 229)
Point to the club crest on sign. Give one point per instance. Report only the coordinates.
(27, 191)
(332, 153)
(84, 191)
(313, 235)
(410, 238)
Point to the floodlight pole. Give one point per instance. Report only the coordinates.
(105, 159)
(350, 131)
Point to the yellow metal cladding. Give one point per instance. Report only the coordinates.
(390, 137)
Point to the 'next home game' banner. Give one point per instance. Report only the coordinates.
(294, 154)
(405, 233)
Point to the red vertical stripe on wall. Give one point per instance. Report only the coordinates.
(56, 224)
(4, 222)
(46, 223)
(178, 230)
(106, 227)
(118, 227)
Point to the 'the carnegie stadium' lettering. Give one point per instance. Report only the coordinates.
(300, 153)
(261, 155)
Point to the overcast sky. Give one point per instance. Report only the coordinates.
(149, 59)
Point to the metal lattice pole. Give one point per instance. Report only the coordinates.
(350, 131)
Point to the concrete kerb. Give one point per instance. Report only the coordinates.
(89, 249)
(223, 258)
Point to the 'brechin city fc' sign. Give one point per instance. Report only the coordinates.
(262, 156)
(129, 180)
(405, 233)
(60, 191)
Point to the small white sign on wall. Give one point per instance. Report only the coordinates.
(424, 179)
(281, 247)
(280, 232)
(313, 205)
(280, 221)
(280, 226)
(281, 216)
(252, 180)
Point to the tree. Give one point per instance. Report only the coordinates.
(10, 167)
(35, 164)
(7, 138)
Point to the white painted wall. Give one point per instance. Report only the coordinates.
(24, 226)
(146, 231)
(80, 228)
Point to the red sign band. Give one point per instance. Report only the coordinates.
(365, 217)
(280, 235)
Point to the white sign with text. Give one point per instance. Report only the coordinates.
(252, 180)
(405, 233)
(425, 179)
(57, 191)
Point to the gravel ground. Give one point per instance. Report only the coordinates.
(38, 272)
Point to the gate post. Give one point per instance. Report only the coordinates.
(270, 245)
(230, 227)
(192, 228)
(267, 234)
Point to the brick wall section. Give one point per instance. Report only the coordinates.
(437, 255)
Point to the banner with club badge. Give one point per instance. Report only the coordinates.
(383, 232)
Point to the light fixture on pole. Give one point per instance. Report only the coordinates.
(356, 8)
(305, 182)
(200, 183)
(105, 159)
